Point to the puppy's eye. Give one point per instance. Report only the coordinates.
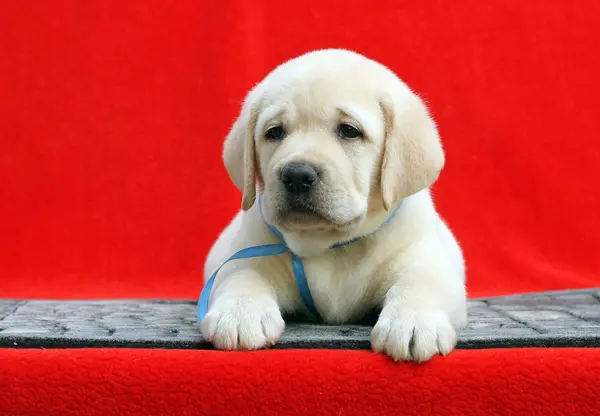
(348, 132)
(275, 133)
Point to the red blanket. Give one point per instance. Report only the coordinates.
(158, 382)
(112, 115)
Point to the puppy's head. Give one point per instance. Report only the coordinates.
(331, 137)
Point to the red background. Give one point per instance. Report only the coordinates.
(112, 117)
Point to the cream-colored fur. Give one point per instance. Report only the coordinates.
(412, 267)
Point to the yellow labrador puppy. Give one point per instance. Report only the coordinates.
(335, 155)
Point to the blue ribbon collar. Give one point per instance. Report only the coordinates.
(274, 250)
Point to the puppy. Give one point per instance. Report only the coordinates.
(331, 146)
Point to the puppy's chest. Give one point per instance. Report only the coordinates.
(341, 285)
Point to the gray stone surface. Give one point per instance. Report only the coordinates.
(557, 319)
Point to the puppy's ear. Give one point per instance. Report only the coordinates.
(239, 154)
(413, 156)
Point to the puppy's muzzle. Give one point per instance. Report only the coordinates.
(299, 178)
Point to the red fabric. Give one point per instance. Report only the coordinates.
(112, 116)
(146, 382)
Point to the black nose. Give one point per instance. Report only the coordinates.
(298, 177)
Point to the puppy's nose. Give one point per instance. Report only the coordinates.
(298, 177)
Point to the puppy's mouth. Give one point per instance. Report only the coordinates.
(304, 207)
(302, 214)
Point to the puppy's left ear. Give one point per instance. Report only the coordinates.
(239, 153)
(413, 156)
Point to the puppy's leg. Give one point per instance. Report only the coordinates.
(243, 313)
(424, 306)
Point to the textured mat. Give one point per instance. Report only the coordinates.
(555, 319)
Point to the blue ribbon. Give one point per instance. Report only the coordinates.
(274, 250)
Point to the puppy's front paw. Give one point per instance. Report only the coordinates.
(409, 332)
(244, 323)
